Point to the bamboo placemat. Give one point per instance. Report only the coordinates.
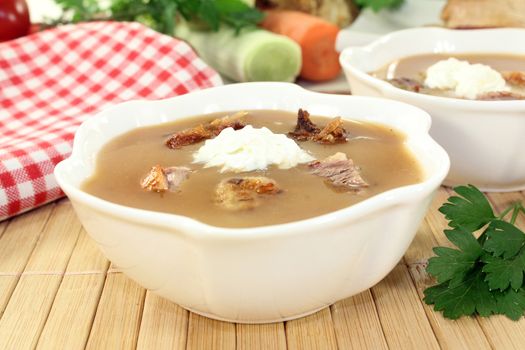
(58, 292)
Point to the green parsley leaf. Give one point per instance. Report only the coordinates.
(504, 272)
(504, 239)
(471, 210)
(469, 296)
(511, 303)
(450, 263)
(484, 276)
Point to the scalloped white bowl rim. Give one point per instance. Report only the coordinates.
(202, 230)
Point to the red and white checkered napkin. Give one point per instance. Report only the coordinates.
(53, 80)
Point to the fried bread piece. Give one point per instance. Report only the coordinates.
(305, 130)
(207, 131)
(161, 179)
(514, 78)
(188, 137)
(484, 13)
(155, 180)
(234, 121)
(339, 171)
(243, 193)
(333, 132)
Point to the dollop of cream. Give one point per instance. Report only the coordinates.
(467, 80)
(250, 149)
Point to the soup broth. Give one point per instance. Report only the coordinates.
(384, 162)
(414, 68)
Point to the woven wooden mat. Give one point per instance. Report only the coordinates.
(58, 292)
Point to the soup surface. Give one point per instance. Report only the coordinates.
(379, 152)
(409, 72)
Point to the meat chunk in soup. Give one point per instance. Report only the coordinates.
(339, 171)
(243, 193)
(500, 96)
(407, 84)
(161, 179)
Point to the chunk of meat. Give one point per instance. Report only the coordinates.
(333, 132)
(484, 13)
(176, 175)
(161, 179)
(406, 84)
(243, 193)
(514, 78)
(305, 129)
(207, 131)
(500, 96)
(339, 171)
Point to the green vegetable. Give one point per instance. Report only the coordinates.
(161, 14)
(471, 211)
(377, 5)
(254, 55)
(485, 275)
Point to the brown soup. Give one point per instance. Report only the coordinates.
(380, 153)
(409, 72)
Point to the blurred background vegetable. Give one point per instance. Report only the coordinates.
(377, 5)
(14, 19)
(313, 25)
(315, 36)
(161, 15)
(338, 12)
(254, 55)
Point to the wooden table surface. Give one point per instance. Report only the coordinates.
(58, 292)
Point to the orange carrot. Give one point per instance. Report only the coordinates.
(316, 38)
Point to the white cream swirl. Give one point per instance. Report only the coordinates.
(467, 80)
(250, 149)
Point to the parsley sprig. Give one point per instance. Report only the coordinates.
(485, 275)
(161, 15)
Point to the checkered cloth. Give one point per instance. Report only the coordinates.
(53, 80)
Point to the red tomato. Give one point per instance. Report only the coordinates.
(14, 19)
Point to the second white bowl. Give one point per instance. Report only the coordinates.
(484, 139)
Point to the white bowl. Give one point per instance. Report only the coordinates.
(262, 274)
(483, 138)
